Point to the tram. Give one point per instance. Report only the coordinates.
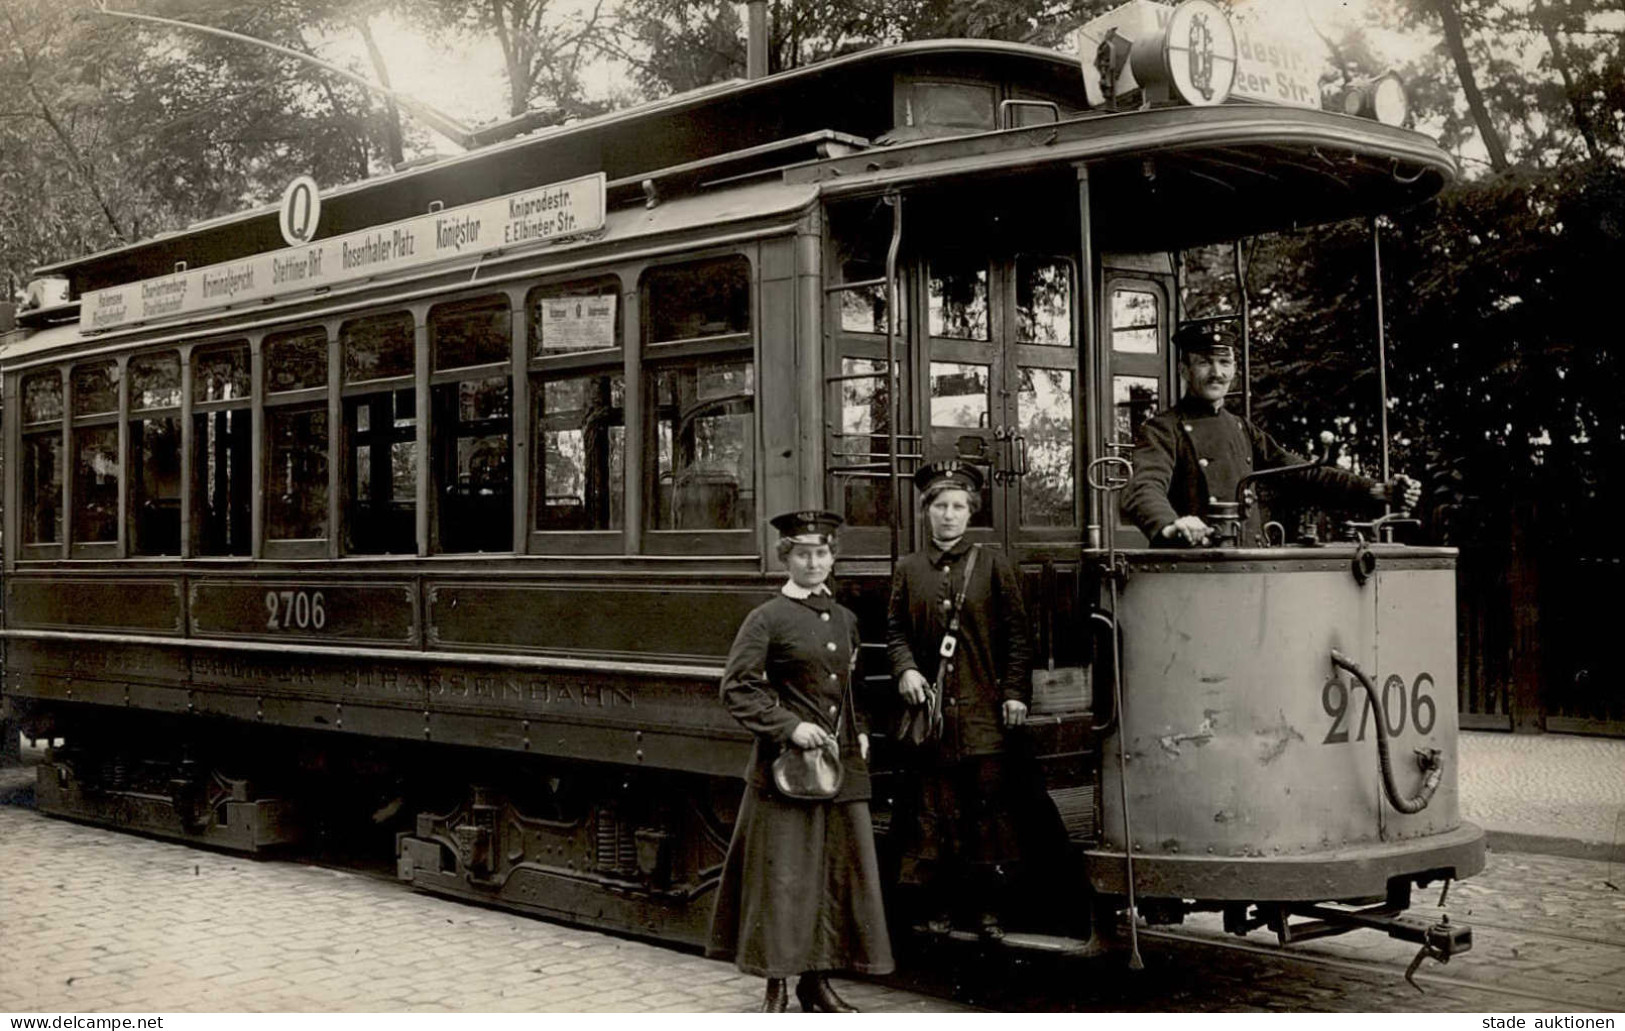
(433, 521)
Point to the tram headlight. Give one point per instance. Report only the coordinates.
(1382, 98)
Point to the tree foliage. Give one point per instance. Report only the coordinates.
(676, 45)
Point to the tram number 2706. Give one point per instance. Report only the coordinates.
(295, 610)
(1400, 704)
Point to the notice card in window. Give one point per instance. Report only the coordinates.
(579, 323)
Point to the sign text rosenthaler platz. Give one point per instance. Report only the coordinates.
(532, 216)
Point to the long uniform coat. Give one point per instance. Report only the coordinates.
(800, 887)
(1191, 455)
(975, 796)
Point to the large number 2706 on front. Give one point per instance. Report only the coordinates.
(295, 610)
(1401, 704)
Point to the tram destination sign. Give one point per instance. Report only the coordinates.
(541, 215)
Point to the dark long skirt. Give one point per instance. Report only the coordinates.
(800, 890)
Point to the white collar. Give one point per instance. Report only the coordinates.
(791, 589)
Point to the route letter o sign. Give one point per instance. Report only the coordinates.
(301, 208)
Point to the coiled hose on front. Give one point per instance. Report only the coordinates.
(1429, 759)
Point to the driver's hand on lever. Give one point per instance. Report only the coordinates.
(1187, 530)
(1402, 492)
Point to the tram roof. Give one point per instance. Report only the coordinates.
(1175, 176)
(730, 117)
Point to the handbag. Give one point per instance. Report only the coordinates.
(815, 774)
(922, 724)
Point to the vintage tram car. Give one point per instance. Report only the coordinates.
(441, 522)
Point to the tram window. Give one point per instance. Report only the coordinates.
(473, 465)
(155, 381)
(95, 484)
(705, 446)
(861, 232)
(959, 395)
(42, 488)
(296, 474)
(155, 486)
(221, 374)
(1043, 302)
(861, 447)
(42, 459)
(380, 434)
(961, 399)
(154, 503)
(698, 300)
(42, 398)
(1135, 317)
(380, 347)
(222, 445)
(296, 361)
(957, 294)
(95, 389)
(382, 474)
(469, 333)
(1044, 407)
(569, 318)
(1134, 400)
(955, 105)
(95, 458)
(581, 452)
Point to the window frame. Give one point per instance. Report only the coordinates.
(539, 369)
(191, 408)
(57, 549)
(131, 415)
(350, 389)
(430, 377)
(264, 402)
(114, 548)
(655, 356)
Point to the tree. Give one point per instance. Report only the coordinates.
(678, 45)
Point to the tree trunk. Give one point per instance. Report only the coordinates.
(1582, 119)
(1450, 20)
(392, 129)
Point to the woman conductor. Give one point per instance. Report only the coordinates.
(800, 891)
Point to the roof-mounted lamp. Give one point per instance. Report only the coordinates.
(1188, 55)
(1382, 99)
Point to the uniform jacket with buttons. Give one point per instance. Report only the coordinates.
(1191, 454)
(792, 662)
(990, 663)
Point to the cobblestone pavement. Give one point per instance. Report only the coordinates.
(92, 920)
(1549, 785)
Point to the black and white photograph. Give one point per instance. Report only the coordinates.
(905, 507)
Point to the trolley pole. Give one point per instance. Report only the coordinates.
(1246, 335)
(1382, 352)
(893, 379)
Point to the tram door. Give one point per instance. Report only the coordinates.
(999, 389)
(999, 383)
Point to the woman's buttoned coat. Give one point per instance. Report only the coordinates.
(800, 887)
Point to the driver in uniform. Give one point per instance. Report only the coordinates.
(1194, 454)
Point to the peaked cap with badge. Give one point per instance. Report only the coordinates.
(1215, 338)
(948, 473)
(808, 526)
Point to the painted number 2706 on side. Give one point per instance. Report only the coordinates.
(295, 610)
(1401, 704)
